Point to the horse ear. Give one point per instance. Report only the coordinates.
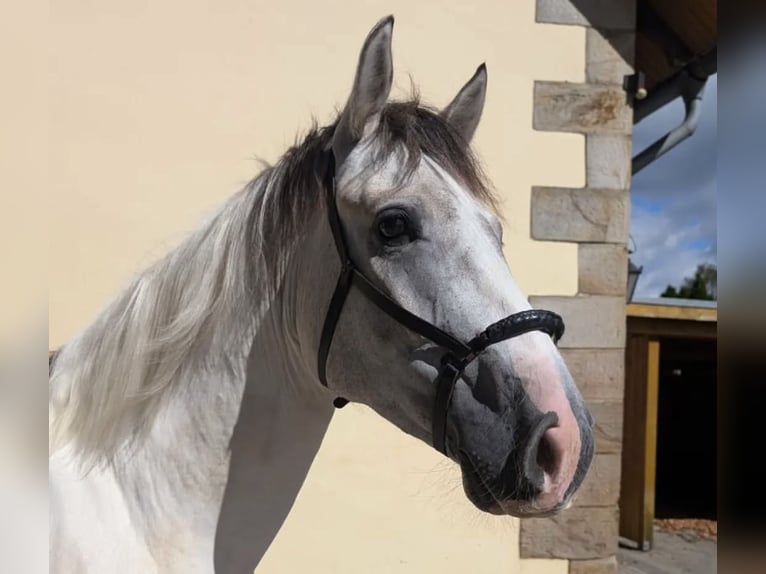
(464, 112)
(372, 85)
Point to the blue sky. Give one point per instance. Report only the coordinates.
(673, 200)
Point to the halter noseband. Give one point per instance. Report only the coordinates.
(458, 355)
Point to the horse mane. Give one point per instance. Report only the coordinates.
(195, 308)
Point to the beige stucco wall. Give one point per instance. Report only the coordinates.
(23, 175)
(157, 111)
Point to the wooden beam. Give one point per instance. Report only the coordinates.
(650, 443)
(639, 447)
(672, 312)
(662, 328)
(633, 439)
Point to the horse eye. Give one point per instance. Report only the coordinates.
(393, 225)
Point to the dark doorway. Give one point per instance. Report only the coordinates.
(686, 430)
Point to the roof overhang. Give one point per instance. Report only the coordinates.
(676, 51)
(673, 318)
(675, 36)
(671, 308)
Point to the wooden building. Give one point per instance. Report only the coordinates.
(669, 425)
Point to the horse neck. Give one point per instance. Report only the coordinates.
(225, 468)
(227, 452)
(239, 462)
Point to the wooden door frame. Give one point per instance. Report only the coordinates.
(647, 325)
(639, 441)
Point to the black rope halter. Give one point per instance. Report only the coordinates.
(458, 355)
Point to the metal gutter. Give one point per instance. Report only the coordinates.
(692, 90)
(689, 84)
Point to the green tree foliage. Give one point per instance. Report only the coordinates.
(703, 285)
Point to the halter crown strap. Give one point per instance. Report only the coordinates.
(343, 286)
(332, 211)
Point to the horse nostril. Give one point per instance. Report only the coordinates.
(538, 458)
(546, 457)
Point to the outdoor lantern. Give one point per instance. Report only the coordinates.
(633, 273)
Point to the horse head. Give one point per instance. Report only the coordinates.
(415, 224)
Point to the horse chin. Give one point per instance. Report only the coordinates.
(482, 498)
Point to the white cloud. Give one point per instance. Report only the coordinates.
(674, 199)
(668, 252)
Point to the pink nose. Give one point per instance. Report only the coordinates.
(548, 462)
(539, 458)
(552, 448)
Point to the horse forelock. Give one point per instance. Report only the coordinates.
(291, 189)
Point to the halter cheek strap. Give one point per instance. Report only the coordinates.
(457, 356)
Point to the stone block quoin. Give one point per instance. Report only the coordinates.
(596, 217)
